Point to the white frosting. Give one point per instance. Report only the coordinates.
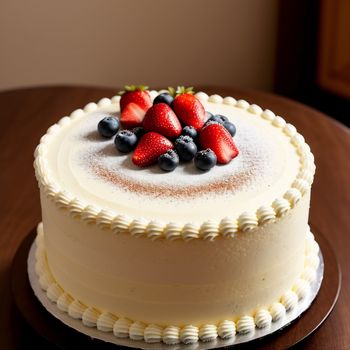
(104, 218)
(64, 301)
(190, 231)
(309, 274)
(215, 99)
(228, 227)
(136, 331)
(144, 277)
(242, 104)
(120, 224)
(301, 185)
(40, 255)
(312, 260)
(268, 115)
(293, 195)
(89, 214)
(115, 99)
(45, 280)
(301, 288)
(40, 266)
(255, 109)
(265, 214)
(76, 309)
(152, 333)
(105, 322)
(121, 328)
(138, 227)
(104, 102)
(54, 291)
(202, 96)
(189, 334)
(279, 122)
(289, 300)
(39, 239)
(207, 332)
(171, 335)
(154, 230)
(281, 206)
(262, 318)
(209, 230)
(229, 101)
(245, 325)
(226, 329)
(277, 311)
(289, 129)
(247, 222)
(172, 231)
(90, 317)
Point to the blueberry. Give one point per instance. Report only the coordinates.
(221, 119)
(108, 126)
(138, 131)
(230, 127)
(205, 160)
(125, 141)
(185, 148)
(168, 161)
(189, 131)
(164, 98)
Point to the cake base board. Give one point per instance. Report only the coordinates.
(64, 331)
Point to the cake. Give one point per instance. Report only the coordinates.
(179, 256)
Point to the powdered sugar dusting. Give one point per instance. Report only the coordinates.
(100, 159)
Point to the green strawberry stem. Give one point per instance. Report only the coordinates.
(180, 90)
(129, 88)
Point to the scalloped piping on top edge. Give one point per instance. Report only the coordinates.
(123, 327)
(209, 230)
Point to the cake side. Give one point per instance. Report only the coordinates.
(124, 327)
(175, 282)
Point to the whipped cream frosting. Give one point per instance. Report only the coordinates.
(170, 334)
(272, 172)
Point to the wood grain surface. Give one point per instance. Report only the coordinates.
(25, 116)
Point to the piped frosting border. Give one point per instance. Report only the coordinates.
(152, 333)
(208, 230)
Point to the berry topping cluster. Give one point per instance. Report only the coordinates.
(174, 128)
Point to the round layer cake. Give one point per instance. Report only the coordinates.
(182, 255)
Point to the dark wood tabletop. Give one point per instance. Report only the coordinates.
(25, 115)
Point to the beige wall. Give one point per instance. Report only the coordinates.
(157, 42)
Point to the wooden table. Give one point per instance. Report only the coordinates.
(27, 113)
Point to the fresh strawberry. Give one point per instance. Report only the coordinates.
(150, 147)
(135, 94)
(219, 140)
(132, 116)
(161, 118)
(188, 108)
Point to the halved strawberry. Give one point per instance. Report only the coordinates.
(162, 119)
(150, 147)
(136, 94)
(219, 140)
(188, 108)
(132, 116)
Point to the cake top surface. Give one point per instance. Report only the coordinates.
(273, 169)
